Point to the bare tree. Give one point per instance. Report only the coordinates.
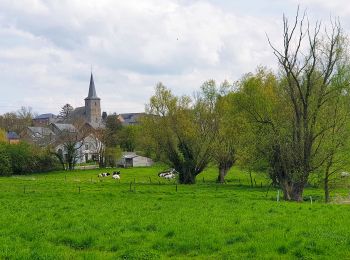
(310, 62)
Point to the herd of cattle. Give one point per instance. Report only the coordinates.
(168, 174)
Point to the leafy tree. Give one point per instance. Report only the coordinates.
(182, 131)
(293, 111)
(127, 137)
(5, 162)
(66, 111)
(17, 121)
(3, 136)
(216, 102)
(71, 140)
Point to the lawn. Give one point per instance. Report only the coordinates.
(74, 215)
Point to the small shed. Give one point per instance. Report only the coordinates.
(12, 137)
(131, 159)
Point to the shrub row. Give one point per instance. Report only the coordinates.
(24, 158)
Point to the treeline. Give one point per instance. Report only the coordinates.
(292, 124)
(17, 121)
(23, 158)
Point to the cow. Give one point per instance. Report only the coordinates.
(104, 174)
(116, 175)
(169, 174)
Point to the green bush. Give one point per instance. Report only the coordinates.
(45, 161)
(5, 162)
(24, 158)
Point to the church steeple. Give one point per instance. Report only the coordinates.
(92, 91)
(93, 105)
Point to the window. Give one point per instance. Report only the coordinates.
(86, 147)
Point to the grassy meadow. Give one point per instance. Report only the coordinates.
(74, 215)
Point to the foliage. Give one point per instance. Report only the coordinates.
(24, 158)
(127, 137)
(17, 121)
(294, 112)
(183, 132)
(112, 155)
(66, 111)
(5, 161)
(3, 136)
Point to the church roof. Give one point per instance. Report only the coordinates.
(92, 91)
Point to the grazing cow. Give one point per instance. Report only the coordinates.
(104, 174)
(116, 175)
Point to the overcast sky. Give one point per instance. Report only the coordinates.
(47, 47)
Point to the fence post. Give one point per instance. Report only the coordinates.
(130, 185)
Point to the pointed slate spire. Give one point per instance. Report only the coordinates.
(92, 90)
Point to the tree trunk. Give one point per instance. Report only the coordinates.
(187, 177)
(326, 189)
(293, 191)
(222, 173)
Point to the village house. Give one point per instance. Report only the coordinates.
(49, 130)
(12, 137)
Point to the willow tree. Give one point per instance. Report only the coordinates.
(183, 132)
(296, 116)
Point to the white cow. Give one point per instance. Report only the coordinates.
(169, 174)
(116, 175)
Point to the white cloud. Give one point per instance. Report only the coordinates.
(48, 47)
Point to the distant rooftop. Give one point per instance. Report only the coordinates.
(45, 116)
(42, 131)
(130, 118)
(12, 135)
(65, 127)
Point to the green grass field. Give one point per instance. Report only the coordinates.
(46, 217)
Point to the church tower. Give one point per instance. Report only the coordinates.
(93, 105)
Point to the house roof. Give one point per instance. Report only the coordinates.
(130, 118)
(12, 135)
(65, 127)
(45, 116)
(92, 91)
(42, 131)
(129, 155)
